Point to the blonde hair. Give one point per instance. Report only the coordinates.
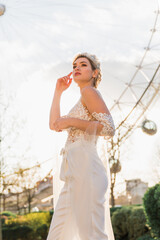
(95, 64)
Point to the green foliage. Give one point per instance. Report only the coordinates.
(51, 212)
(151, 202)
(32, 226)
(120, 222)
(42, 231)
(129, 223)
(145, 237)
(17, 232)
(137, 223)
(8, 214)
(37, 219)
(113, 209)
(31, 219)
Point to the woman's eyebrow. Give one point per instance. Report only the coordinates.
(80, 62)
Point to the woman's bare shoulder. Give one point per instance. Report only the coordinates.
(93, 100)
(90, 91)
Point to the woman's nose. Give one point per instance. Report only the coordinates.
(77, 67)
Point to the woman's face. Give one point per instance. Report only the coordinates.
(82, 70)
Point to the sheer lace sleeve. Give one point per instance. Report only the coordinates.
(106, 120)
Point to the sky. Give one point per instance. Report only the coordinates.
(38, 40)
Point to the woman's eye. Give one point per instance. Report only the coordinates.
(82, 65)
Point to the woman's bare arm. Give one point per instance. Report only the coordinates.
(98, 109)
(103, 124)
(61, 85)
(55, 109)
(91, 126)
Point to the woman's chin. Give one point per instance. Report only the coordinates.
(77, 79)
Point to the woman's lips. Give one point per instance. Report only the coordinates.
(77, 74)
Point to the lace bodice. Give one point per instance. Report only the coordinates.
(81, 112)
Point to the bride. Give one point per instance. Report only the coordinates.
(82, 210)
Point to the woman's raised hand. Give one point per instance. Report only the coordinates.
(63, 83)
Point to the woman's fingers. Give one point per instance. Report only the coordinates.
(70, 80)
(67, 78)
(69, 74)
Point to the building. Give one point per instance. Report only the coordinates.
(135, 189)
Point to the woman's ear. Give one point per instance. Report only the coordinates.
(95, 73)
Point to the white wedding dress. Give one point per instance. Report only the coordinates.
(82, 209)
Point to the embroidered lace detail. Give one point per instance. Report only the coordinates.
(106, 120)
(81, 112)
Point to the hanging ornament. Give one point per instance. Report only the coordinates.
(149, 127)
(2, 9)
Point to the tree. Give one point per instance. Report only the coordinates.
(151, 203)
(114, 163)
(28, 180)
(24, 187)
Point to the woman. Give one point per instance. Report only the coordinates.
(82, 211)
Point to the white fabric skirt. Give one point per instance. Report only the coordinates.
(82, 210)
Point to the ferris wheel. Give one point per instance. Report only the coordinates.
(36, 33)
(31, 23)
(32, 31)
(144, 87)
